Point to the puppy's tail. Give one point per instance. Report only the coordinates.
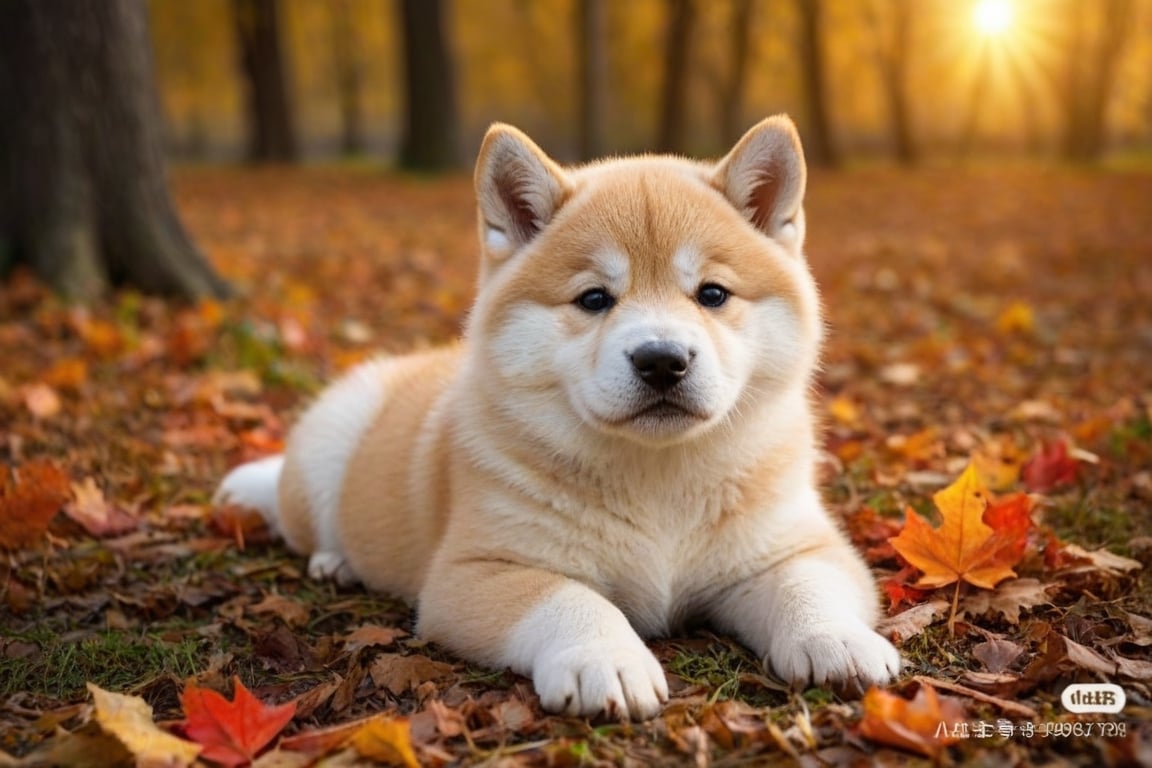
(255, 485)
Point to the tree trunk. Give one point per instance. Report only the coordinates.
(1092, 63)
(674, 96)
(85, 202)
(593, 66)
(430, 141)
(271, 130)
(818, 143)
(740, 49)
(349, 78)
(894, 68)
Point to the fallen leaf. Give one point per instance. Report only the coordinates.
(241, 524)
(907, 624)
(1086, 658)
(231, 732)
(95, 514)
(30, 496)
(129, 719)
(1008, 599)
(924, 725)
(872, 532)
(292, 612)
(1050, 468)
(1101, 559)
(1011, 707)
(1017, 318)
(899, 592)
(69, 373)
(400, 674)
(320, 741)
(997, 654)
(89, 746)
(1136, 669)
(1010, 518)
(965, 546)
(372, 635)
(386, 740)
(41, 400)
(998, 463)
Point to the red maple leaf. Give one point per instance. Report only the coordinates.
(1050, 468)
(1010, 518)
(900, 591)
(232, 732)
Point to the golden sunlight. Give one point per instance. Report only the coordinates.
(992, 17)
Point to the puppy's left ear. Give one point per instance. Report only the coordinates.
(764, 177)
(518, 189)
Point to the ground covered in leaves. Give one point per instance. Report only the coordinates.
(998, 318)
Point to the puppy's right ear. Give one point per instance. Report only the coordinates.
(518, 190)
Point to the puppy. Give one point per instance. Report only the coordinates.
(622, 443)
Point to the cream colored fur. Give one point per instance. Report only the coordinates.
(541, 504)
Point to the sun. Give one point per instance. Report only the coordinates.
(992, 17)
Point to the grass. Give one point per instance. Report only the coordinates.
(119, 661)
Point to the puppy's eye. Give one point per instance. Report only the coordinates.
(595, 300)
(711, 295)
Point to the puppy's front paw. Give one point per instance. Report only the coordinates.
(848, 654)
(621, 681)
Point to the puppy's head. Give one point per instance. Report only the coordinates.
(652, 298)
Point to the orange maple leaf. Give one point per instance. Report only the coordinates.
(30, 497)
(232, 732)
(965, 546)
(926, 724)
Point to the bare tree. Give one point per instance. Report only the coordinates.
(592, 69)
(430, 140)
(85, 202)
(674, 94)
(818, 143)
(271, 129)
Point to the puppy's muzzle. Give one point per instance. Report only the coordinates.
(661, 364)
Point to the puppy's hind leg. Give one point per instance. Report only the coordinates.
(319, 450)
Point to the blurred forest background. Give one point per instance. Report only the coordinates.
(907, 79)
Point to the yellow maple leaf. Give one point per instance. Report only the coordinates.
(963, 547)
(129, 719)
(386, 740)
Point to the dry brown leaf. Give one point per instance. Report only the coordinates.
(293, 613)
(1103, 560)
(1086, 658)
(1007, 600)
(96, 514)
(399, 673)
(997, 654)
(372, 635)
(907, 624)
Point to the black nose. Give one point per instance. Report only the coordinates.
(660, 364)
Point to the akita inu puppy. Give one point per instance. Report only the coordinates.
(623, 442)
